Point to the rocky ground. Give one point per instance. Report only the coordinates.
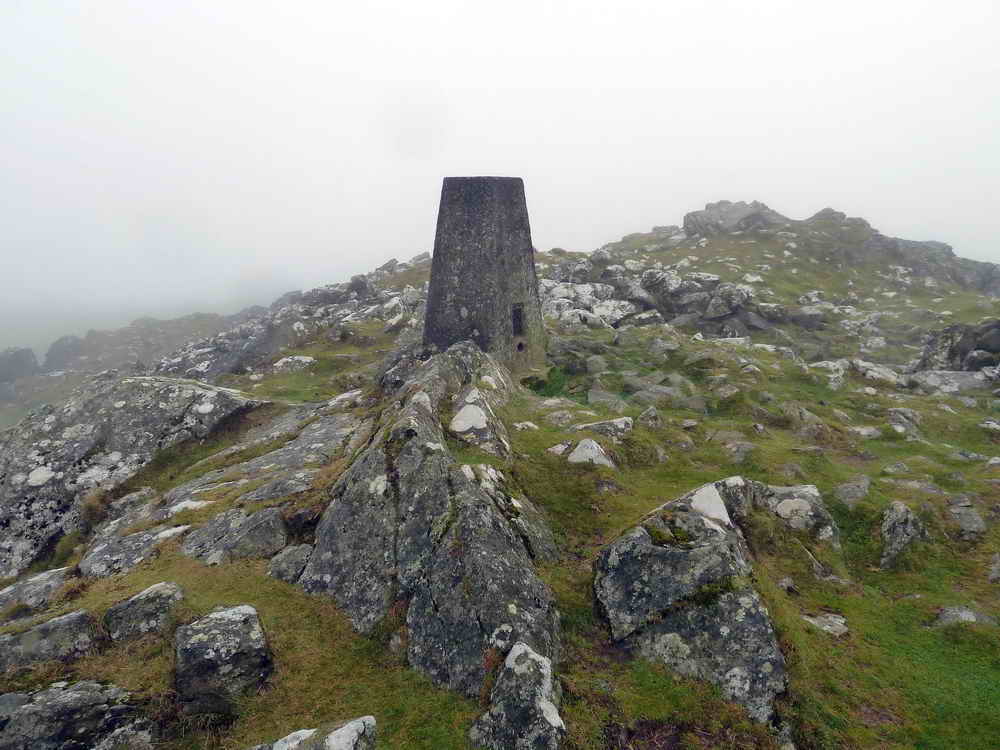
(751, 503)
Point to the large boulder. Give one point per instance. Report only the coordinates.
(83, 716)
(149, 611)
(900, 528)
(524, 706)
(34, 592)
(676, 590)
(64, 638)
(411, 545)
(961, 347)
(220, 658)
(101, 436)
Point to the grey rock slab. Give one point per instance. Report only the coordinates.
(234, 535)
(101, 436)
(524, 706)
(219, 658)
(288, 564)
(835, 625)
(149, 611)
(34, 592)
(899, 529)
(80, 716)
(971, 525)
(65, 638)
(854, 491)
(801, 507)
(121, 554)
(613, 428)
(953, 615)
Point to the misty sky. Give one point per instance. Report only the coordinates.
(165, 157)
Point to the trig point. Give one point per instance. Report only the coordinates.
(483, 284)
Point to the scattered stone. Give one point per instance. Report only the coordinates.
(994, 573)
(150, 611)
(835, 625)
(650, 418)
(900, 528)
(852, 492)
(801, 507)
(356, 734)
(612, 428)
(65, 638)
(220, 658)
(122, 554)
(288, 564)
(590, 452)
(739, 451)
(34, 592)
(523, 426)
(953, 615)
(971, 526)
(524, 706)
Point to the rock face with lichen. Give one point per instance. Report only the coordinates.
(108, 430)
(414, 546)
(676, 590)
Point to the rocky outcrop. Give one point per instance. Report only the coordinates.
(725, 216)
(675, 590)
(108, 557)
(235, 535)
(34, 592)
(83, 716)
(220, 658)
(524, 706)
(415, 547)
(962, 347)
(900, 528)
(149, 611)
(65, 638)
(288, 564)
(17, 363)
(356, 734)
(108, 430)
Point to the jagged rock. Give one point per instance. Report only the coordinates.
(612, 428)
(900, 528)
(953, 348)
(739, 450)
(650, 418)
(876, 373)
(590, 452)
(149, 611)
(971, 526)
(410, 539)
(107, 430)
(234, 535)
(947, 381)
(83, 716)
(65, 638)
(904, 421)
(953, 615)
(475, 422)
(356, 734)
(524, 706)
(288, 564)
(852, 492)
(835, 625)
(674, 591)
(219, 658)
(121, 554)
(34, 592)
(801, 507)
(597, 396)
(17, 363)
(725, 216)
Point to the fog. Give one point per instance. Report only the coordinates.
(162, 158)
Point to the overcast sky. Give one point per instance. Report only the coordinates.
(165, 157)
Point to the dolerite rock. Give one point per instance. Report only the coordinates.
(149, 611)
(17, 363)
(288, 564)
(34, 592)
(971, 526)
(726, 216)
(82, 716)
(900, 528)
(356, 734)
(612, 428)
(65, 638)
(234, 535)
(220, 658)
(411, 543)
(590, 452)
(108, 429)
(801, 507)
(675, 590)
(114, 555)
(953, 347)
(524, 706)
